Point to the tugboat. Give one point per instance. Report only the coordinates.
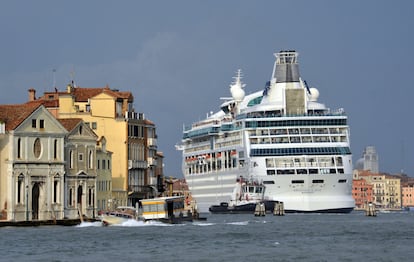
(246, 195)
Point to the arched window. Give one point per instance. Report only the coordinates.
(70, 198)
(55, 148)
(70, 159)
(20, 187)
(19, 148)
(80, 193)
(90, 197)
(90, 159)
(56, 188)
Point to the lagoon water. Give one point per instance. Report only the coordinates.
(293, 237)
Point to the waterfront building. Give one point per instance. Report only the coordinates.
(81, 172)
(159, 173)
(407, 193)
(386, 188)
(145, 163)
(361, 192)
(104, 176)
(129, 136)
(32, 164)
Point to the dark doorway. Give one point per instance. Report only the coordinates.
(79, 200)
(35, 201)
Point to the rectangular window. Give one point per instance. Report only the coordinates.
(80, 157)
(94, 125)
(34, 123)
(317, 181)
(42, 123)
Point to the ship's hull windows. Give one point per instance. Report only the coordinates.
(317, 181)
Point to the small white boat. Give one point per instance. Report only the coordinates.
(119, 216)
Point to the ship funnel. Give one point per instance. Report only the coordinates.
(286, 67)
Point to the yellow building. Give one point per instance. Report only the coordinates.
(129, 136)
(386, 189)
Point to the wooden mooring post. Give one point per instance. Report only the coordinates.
(279, 209)
(370, 210)
(260, 210)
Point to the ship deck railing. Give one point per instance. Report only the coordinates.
(265, 114)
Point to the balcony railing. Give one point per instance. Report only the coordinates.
(152, 142)
(139, 189)
(151, 161)
(137, 164)
(134, 115)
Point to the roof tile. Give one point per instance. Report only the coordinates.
(14, 115)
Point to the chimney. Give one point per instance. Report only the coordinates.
(32, 94)
(69, 88)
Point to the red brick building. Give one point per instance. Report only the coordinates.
(361, 192)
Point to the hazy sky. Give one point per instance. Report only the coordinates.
(178, 58)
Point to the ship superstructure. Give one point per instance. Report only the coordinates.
(282, 136)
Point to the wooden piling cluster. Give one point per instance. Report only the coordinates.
(279, 209)
(370, 210)
(260, 209)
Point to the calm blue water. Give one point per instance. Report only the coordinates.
(293, 237)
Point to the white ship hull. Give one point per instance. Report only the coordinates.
(331, 196)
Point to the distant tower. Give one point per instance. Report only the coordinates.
(371, 159)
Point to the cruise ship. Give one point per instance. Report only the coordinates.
(281, 136)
